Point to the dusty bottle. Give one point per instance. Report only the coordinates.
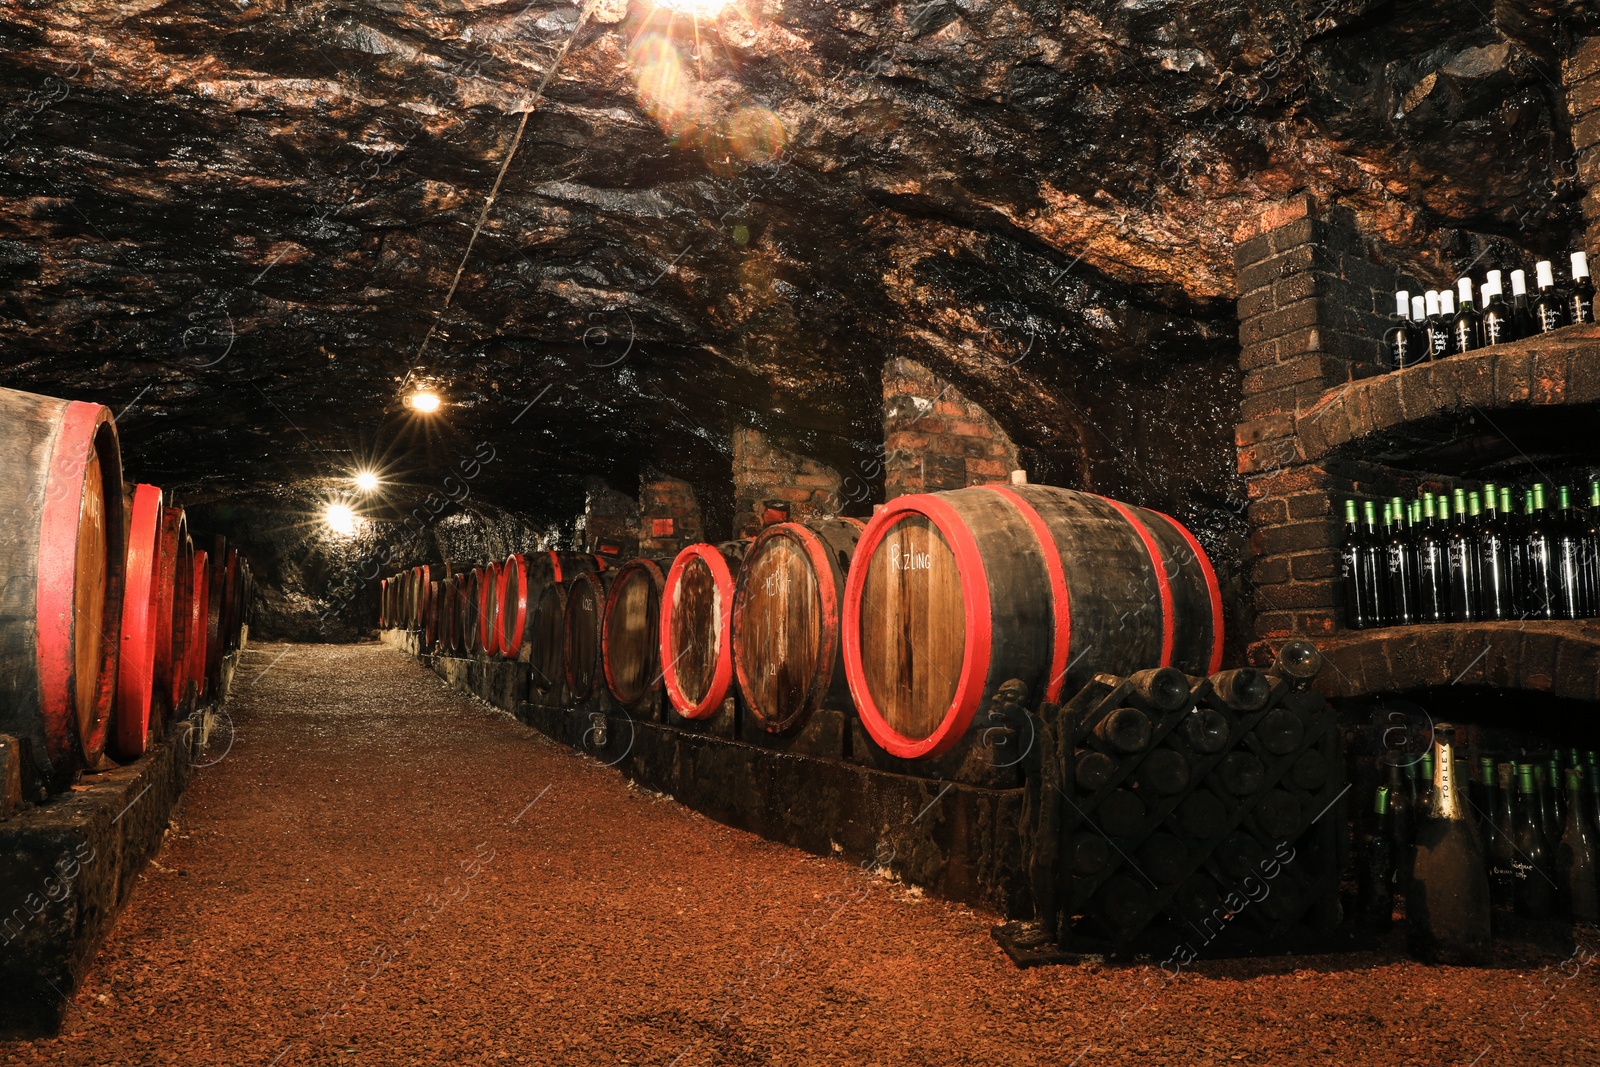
(1447, 909)
(1375, 884)
(1576, 858)
(1534, 893)
(1501, 851)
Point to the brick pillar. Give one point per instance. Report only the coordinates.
(763, 471)
(1312, 310)
(669, 517)
(1581, 74)
(935, 438)
(609, 516)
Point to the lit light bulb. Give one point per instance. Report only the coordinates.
(341, 520)
(700, 8)
(366, 481)
(424, 402)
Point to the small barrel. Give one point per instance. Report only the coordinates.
(786, 610)
(136, 665)
(175, 577)
(696, 627)
(583, 632)
(952, 594)
(61, 565)
(631, 645)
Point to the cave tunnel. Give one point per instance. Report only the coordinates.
(731, 531)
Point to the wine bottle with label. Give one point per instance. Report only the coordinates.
(1438, 327)
(1521, 309)
(1496, 323)
(1501, 848)
(1403, 343)
(1576, 856)
(1549, 306)
(1424, 783)
(1465, 603)
(1402, 825)
(1447, 909)
(1466, 328)
(1580, 298)
(1494, 561)
(1568, 588)
(1534, 893)
(1375, 877)
(1374, 562)
(1538, 558)
(1400, 570)
(1513, 528)
(1433, 567)
(1591, 551)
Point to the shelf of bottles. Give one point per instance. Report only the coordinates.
(1469, 849)
(1485, 554)
(1436, 325)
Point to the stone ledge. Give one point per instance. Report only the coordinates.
(1556, 369)
(1558, 658)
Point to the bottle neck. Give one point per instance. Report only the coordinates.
(1447, 802)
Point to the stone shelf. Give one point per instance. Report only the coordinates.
(1558, 658)
(1555, 370)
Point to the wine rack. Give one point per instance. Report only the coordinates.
(1190, 817)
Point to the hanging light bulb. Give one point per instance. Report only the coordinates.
(341, 520)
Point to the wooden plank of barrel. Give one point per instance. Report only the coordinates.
(61, 579)
(450, 606)
(218, 560)
(468, 611)
(583, 632)
(786, 610)
(630, 636)
(511, 605)
(430, 622)
(696, 616)
(230, 602)
(547, 639)
(198, 611)
(954, 593)
(136, 662)
(488, 604)
(175, 559)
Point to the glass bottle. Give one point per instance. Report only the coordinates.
(1447, 909)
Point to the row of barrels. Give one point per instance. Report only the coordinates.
(914, 619)
(112, 620)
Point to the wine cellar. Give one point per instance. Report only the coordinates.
(705, 531)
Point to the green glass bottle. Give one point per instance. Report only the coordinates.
(1375, 878)
(1500, 848)
(1535, 890)
(1576, 858)
(1447, 908)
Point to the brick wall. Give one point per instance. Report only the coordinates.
(1581, 73)
(669, 517)
(935, 438)
(1313, 306)
(763, 471)
(609, 516)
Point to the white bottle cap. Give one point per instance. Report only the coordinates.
(1546, 273)
(1431, 301)
(1464, 287)
(1489, 291)
(1447, 302)
(1580, 265)
(1493, 278)
(1402, 303)
(1019, 477)
(1419, 309)
(1519, 283)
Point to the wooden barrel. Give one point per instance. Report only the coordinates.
(630, 635)
(583, 632)
(175, 559)
(198, 612)
(696, 616)
(511, 605)
(215, 587)
(232, 602)
(547, 640)
(430, 621)
(136, 663)
(952, 594)
(61, 570)
(468, 611)
(450, 609)
(786, 635)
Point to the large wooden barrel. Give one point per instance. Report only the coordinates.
(175, 560)
(786, 635)
(511, 605)
(547, 640)
(198, 609)
(488, 609)
(468, 610)
(583, 632)
(631, 639)
(696, 616)
(61, 578)
(136, 662)
(952, 594)
(430, 622)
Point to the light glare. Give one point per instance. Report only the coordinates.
(699, 8)
(425, 402)
(366, 481)
(341, 520)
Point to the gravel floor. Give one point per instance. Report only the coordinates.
(383, 871)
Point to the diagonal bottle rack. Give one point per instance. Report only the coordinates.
(1217, 835)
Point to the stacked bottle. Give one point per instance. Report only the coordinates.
(1472, 555)
(1443, 323)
